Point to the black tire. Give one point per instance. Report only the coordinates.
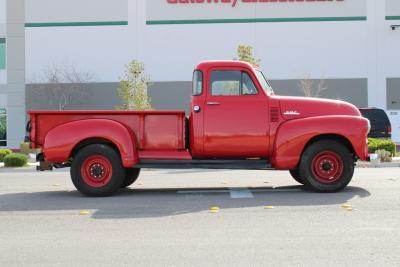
(88, 174)
(131, 176)
(296, 175)
(326, 166)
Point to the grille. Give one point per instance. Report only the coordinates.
(274, 114)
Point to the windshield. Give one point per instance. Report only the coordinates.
(264, 83)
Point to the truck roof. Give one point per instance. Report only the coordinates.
(223, 63)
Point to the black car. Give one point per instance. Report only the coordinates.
(380, 123)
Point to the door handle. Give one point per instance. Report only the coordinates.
(213, 103)
(196, 109)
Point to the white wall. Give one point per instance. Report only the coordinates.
(165, 10)
(75, 10)
(3, 18)
(392, 8)
(100, 50)
(288, 50)
(3, 76)
(389, 54)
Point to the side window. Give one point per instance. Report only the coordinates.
(197, 83)
(232, 83)
(248, 86)
(225, 82)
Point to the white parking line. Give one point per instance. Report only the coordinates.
(233, 192)
(240, 193)
(277, 190)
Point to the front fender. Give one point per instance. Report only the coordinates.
(60, 141)
(292, 137)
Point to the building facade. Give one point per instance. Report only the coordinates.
(350, 44)
(12, 73)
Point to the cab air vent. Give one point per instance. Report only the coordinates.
(274, 114)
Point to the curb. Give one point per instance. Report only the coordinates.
(29, 169)
(364, 164)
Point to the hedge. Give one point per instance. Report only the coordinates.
(3, 153)
(378, 144)
(15, 160)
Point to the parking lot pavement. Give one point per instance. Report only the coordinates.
(260, 218)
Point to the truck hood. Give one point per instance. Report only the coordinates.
(303, 107)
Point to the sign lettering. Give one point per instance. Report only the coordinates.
(235, 2)
(253, 11)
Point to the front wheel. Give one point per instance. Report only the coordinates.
(97, 171)
(326, 166)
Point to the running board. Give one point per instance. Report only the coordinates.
(248, 164)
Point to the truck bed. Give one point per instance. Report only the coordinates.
(153, 130)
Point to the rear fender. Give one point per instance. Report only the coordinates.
(60, 141)
(293, 136)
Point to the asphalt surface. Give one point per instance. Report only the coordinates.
(264, 219)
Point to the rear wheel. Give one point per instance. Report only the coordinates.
(296, 175)
(131, 176)
(326, 166)
(97, 171)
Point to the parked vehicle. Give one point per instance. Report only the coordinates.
(380, 123)
(236, 122)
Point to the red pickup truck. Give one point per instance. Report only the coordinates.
(236, 122)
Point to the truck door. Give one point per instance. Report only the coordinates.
(235, 115)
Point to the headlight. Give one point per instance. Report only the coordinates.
(369, 126)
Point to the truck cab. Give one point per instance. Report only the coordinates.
(229, 111)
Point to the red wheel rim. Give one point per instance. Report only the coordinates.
(327, 167)
(96, 171)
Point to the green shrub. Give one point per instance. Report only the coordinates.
(15, 160)
(3, 153)
(384, 155)
(379, 144)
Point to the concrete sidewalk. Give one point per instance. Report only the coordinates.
(365, 164)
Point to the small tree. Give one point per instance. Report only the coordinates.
(133, 88)
(245, 53)
(310, 88)
(65, 83)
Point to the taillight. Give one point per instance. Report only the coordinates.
(28, 136)
(28, 127)
(389, 130)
